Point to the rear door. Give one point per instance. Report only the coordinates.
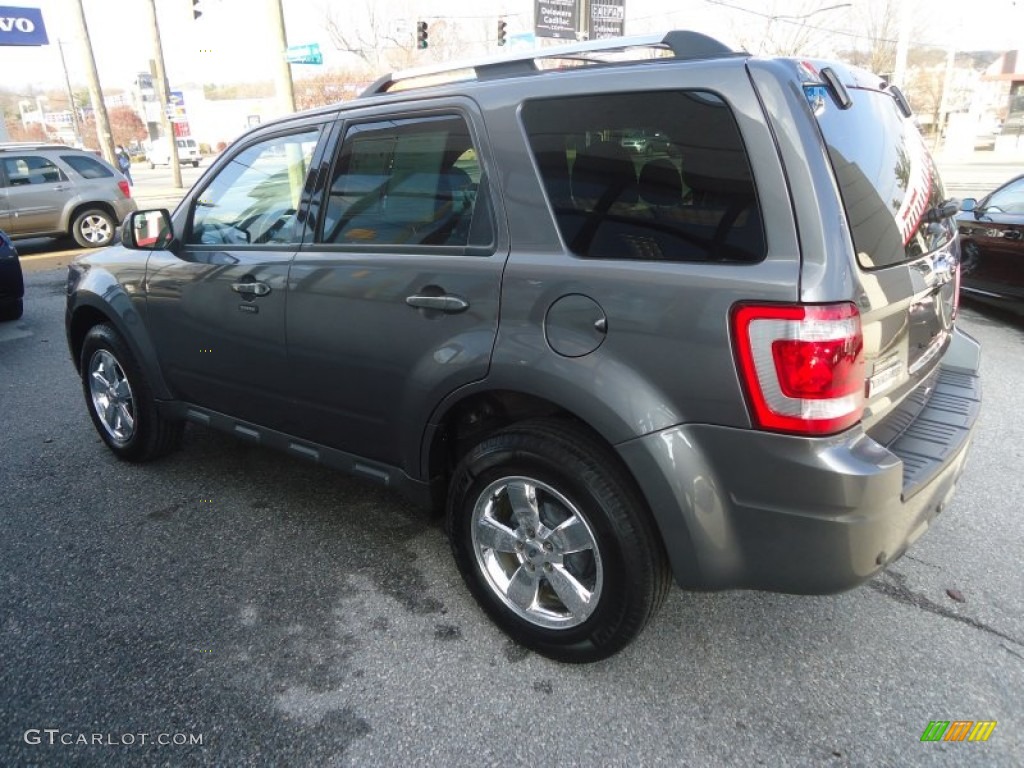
(906, 249)
(36, 192)
(216, 306)
(396, 303)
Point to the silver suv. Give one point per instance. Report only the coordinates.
(50, 190)
(731, 361)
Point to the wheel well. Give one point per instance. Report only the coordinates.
(106, 207)
(83, 320)
(474, 419)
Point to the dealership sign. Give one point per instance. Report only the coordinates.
(22, 26)
(556, 18)
(607, 18)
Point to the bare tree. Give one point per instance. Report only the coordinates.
(372, 32)
(791, 28)
(383, 35)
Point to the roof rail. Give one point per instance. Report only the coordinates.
(683, 44)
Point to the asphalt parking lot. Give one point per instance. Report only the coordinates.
(279, 613)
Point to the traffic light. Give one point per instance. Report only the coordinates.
(502, 31)
(196, 13)
(421, 34)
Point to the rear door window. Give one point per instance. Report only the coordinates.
(415, 181)
(659, 175)
(886, 177)
(31, 169)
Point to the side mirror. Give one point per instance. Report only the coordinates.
(968, 204)
(148, 230)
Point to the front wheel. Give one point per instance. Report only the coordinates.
(93, 228)
(554, 541)
(120, 400)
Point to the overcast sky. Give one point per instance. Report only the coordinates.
(230, 42)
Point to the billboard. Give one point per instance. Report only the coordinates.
(556, 18)
(607, 18)
(22, 26)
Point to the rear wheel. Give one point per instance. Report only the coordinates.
(554, 541)
(120, 400)
(93, 228)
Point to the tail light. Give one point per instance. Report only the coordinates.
(123, 186)
(802, 366)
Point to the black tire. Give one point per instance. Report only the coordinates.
(11, 310)
(93, 228)
(150, 434)
(624, 571)
(195, 163)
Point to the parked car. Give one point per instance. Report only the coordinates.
(992, 240)
(50, 190)
(736, 367)
(159, 152)
(12, 284)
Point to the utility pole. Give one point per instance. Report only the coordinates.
(283, 70)
(99, 108)
(899, 75)
(163, 94)
(71, 96)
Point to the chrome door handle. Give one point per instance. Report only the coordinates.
(256, 289)
(449, 304)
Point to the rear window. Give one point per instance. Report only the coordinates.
(659, 175)
(87, 167)
(886, 177)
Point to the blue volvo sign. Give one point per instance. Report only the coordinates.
(22, 26)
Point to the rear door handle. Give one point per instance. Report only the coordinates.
(449, 304)
(1013, 234)
(256, 289)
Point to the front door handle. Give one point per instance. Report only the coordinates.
(449, 304)
(256, 289)
(1013, 234)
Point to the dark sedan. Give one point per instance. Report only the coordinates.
(12, 287)
(992, 240)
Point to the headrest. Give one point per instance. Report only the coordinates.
(660, 183)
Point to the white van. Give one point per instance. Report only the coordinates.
(159, 152)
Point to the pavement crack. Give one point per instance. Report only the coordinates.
(1012, 652)
(923, 562)
(894, 586)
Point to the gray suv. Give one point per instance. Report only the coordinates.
(731, 361)
(50, 190)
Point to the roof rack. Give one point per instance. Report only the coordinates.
(682, 44)
(12, 145)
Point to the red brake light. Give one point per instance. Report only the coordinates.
(802, 367)
(123, 186)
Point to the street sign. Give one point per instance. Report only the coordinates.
(304, 54)
(22, 26)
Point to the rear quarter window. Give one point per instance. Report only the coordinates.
(87, 167)
(887, 179)
(656, 175)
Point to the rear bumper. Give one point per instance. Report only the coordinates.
(746, 509)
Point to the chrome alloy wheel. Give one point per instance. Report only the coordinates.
(112, 396)
(537, 552)
(96, 229)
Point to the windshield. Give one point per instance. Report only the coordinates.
(886, 176)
